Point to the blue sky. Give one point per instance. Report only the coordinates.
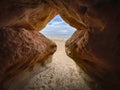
(57, 26)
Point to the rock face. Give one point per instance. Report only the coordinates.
(95, 46)
(21, 50)
(30, 14)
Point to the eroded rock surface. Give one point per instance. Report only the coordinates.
(22, 49)
(95, 46)
(30, 14)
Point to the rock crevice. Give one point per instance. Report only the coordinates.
(95, 46)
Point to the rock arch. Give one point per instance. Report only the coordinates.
(95, 46)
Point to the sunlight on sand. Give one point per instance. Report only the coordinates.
(63, 73)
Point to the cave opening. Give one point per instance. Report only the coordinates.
(64, 71)
(58, 31)
(58, 28)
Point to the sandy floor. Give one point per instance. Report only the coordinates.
(62, 75)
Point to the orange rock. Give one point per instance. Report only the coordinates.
(95, 46)
(21, 49)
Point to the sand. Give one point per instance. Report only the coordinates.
(63, 73)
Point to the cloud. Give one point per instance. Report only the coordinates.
(63, 31)
(57, 25)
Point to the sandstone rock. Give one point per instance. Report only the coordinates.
(20, 81)
(32, 15)
(21, 49)
(95, 46)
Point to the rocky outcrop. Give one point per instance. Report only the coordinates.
(21, 50)
(95, 46)
(29, 14)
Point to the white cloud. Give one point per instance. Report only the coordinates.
(57, 26)
(63, 31)
(56, 23)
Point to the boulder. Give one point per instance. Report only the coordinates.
(21, 49)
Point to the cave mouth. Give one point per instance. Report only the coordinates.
(64, 71)
(58, 31)
(58, 28)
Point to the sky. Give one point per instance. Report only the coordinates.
(57, 27)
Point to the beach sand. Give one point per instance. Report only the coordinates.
(63, 73)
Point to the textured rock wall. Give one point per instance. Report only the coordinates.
(95, 46)
(20, 50)
(30, 14)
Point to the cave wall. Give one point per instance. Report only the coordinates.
(32, 15)
(95, 46)
(22, 47)
(21, 50)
